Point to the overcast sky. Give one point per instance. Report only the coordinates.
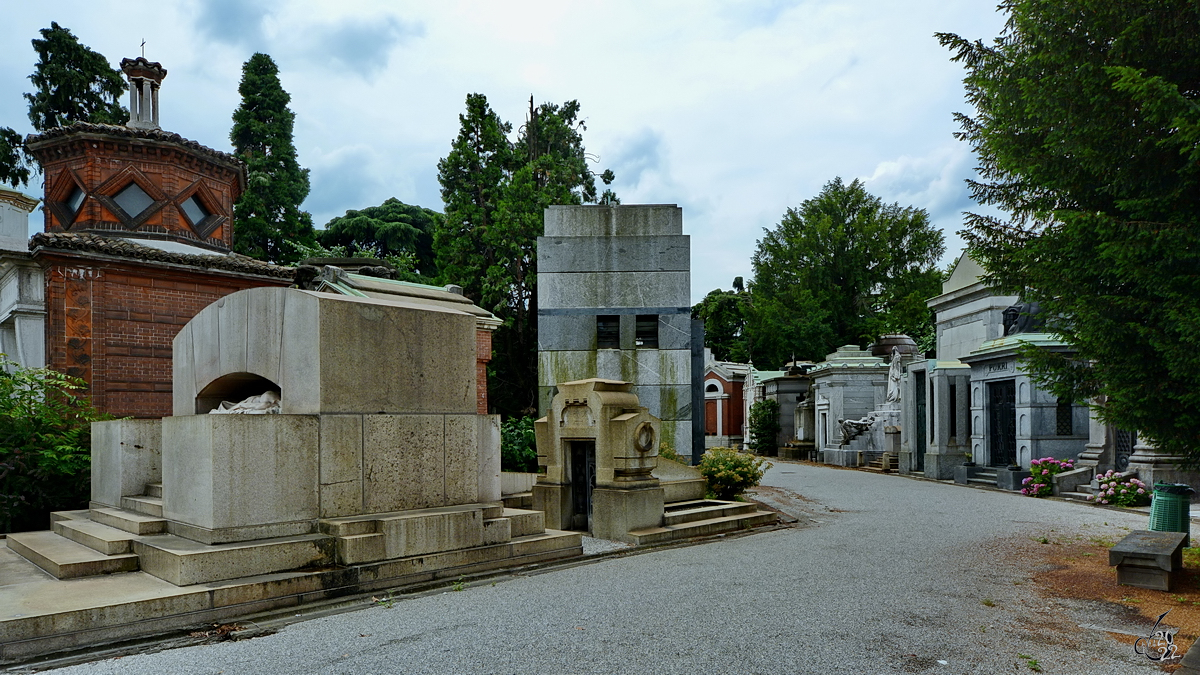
(733, 110)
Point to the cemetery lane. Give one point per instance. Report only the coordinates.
(885, 575)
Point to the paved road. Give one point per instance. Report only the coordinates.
(888, 578)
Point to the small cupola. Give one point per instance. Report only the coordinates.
(145, 77)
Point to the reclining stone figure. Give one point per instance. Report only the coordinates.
(852, 429)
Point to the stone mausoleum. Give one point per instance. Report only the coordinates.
(321, 445)
(974, 403)
(614, 289)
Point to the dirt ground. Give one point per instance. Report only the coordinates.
(1076, 567)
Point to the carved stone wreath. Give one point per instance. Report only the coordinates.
(643, 437)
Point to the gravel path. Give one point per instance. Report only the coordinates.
(883, 574)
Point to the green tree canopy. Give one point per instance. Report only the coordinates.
(1087, 129)
(391, 229)
(496, 190)
(71, 84)
(724, 316)
(843, 268)
(268, 212)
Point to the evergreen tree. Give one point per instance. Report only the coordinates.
(496, 191)
(843, 268)
(1087, 131)
(386, 231)
(724, 316)
(72, 84)
(268, 212)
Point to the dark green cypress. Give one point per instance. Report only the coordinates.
(268, 213)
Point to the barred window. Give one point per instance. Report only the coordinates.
(646, 333)
(608, 331)
(1064, 419)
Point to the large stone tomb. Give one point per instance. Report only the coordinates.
(377, 471)
(598, 451)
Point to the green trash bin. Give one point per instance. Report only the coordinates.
(1170, 510)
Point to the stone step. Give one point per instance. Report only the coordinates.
(1076, 496)
(134, 523)
(154, 490)
(496, 531)
(526, 522)
(184, 562)
(518, 500)
(702, 528)
(99, 538)
(69, 515)
(690, 512)
(65, 559)
(149, 506)
(980, 480)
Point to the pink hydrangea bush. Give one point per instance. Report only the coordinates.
(1041, 483)
(1117, 490)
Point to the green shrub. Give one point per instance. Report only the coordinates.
(518, 445)
(730, 473)
(45, 445)
(764, 427)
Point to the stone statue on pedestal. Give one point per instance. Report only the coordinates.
(893, 382)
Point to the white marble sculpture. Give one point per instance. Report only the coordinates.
(266, 403)
(893, 382)
(852, 429)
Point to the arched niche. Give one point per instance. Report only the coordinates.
(232, 387)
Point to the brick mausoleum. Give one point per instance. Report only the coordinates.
(138, 230)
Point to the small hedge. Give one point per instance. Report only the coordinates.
(45, 445)
(518, 445)
(730, 473)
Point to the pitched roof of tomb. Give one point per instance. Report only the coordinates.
(127, 248)
(966, 272)
(335, 280)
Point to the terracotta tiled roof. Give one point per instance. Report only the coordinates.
(116, 246)
(146, 134)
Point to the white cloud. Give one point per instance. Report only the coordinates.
(736, 111)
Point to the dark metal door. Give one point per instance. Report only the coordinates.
(1124, 442)
(1002, 422)
(583, 480)
(922, 441)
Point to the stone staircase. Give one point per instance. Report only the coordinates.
(887, 463)
(986, 475)
(700, 518)
(94, 541)
(107, 540)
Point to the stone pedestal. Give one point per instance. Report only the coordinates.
(126, 455)
(941, 467)
(962, 474)
(618, 511)
(1009, 479)
(1156, 466)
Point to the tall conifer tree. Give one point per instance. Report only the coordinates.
(72, 84)
(1087, 130)
(268, 213)
(496, 190)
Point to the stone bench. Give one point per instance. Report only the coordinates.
(1148, 559)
